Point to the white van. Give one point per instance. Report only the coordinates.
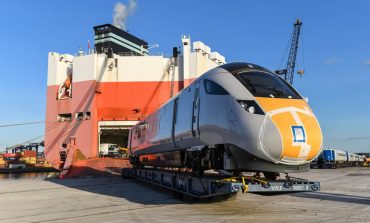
(104, 148)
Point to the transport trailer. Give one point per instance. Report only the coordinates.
(213, 185)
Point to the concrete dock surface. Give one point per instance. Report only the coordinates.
(344, 197)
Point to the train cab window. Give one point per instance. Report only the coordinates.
(213, 88)
(263, 84)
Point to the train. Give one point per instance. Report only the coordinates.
(334, 158)
(234, 118)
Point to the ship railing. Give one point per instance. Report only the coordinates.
(93, 51)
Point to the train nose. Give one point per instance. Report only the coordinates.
(270, 140)
(291, 133)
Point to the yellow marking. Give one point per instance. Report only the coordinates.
(245, 186)
(238, 179)
(283, 119)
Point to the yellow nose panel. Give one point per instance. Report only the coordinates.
(298, 127)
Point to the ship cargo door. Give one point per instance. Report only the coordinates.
(113, 138)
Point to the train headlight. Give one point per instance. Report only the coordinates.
(243, 104)
(251, 107)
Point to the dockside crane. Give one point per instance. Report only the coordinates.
(288, 72)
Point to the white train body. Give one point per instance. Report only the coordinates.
(340, 156)
(242, 116)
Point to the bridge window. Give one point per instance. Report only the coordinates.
(67, 117)
(79, 115)
(87, 115)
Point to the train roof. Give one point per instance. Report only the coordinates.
(236, 67)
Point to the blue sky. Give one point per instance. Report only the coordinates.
(336, 49)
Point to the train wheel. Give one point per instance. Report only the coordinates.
(271, 175)
(198, 172)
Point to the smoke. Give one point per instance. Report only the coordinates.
(121, 12)
(368, 63)
(332, 61)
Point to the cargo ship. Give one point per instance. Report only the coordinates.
(95, 97)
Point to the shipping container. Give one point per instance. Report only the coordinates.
(30, 153)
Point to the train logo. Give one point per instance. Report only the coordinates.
(236, 188)
(298, 134)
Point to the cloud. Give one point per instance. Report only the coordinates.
(368, 63)
(331, 61)
(358, 138)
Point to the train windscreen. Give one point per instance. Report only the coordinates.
(262, 84)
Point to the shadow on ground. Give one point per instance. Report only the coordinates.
(110, 183)
(334, 197)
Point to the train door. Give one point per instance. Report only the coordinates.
(174, 120)
(196, 104)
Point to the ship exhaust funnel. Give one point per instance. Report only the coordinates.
(109, 38)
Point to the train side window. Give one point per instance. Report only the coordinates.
(213, 88)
